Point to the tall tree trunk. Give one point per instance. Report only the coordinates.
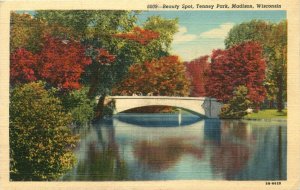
(99, 108)
(92, 94)
(280, 92)
(271, 104)
(93, 88)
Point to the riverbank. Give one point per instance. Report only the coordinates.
(268, 115)
(262, 115)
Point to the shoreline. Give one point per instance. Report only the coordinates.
(266, 120)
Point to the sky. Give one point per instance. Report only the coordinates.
(202, 31)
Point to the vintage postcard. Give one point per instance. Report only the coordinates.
(150, 95)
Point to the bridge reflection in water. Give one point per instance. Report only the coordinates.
(122, 149)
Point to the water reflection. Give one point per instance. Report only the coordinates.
(99, 158)
(120, 149)
(228, 159)
(230, 153)
(164, 154)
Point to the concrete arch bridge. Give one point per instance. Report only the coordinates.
(203, 106)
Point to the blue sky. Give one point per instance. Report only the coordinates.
(202, 31)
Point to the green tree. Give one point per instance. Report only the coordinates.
(41, 142)
(166, 29)
(273, 38)
(28, 32)
(237, 106)
(277, 59)
(25, 32)
(76, 21)
(79, 105)
(90, 24)
(254, 30)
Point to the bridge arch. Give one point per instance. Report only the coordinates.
(181, 108)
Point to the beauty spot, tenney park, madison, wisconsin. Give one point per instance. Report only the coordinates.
(119, 95)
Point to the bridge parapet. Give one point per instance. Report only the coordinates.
(159, 97)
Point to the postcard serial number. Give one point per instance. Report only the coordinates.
(273, 183)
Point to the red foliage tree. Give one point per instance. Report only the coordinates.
(139, 35)
(62, 62)
(197, 71)
(23, 66)
(239, 65)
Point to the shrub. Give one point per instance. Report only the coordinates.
(40, 141)
(237, 106)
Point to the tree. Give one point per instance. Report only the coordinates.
(166, 28)
(40, 141)
(151, 41)
(165, 76)
(79, 105)
(197, 71)
(139, 45)
(239, 65)
(255, 30)
(28, 32)
(100, 76)
(273, 38)
(60, 63)
(277, 67)
(25, 32)
(89, 24)
(237, 106)
(157, 34)
(23, 67)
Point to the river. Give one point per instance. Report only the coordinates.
(157, 147)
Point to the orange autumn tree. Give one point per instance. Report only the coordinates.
(165, 77)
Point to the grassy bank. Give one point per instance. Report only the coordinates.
(267, 114)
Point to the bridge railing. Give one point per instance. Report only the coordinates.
(162, 97)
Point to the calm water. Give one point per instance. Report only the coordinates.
(154, 147)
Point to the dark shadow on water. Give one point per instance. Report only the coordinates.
(159, 120)
(212, 130)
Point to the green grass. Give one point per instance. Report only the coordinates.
(267, 114)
